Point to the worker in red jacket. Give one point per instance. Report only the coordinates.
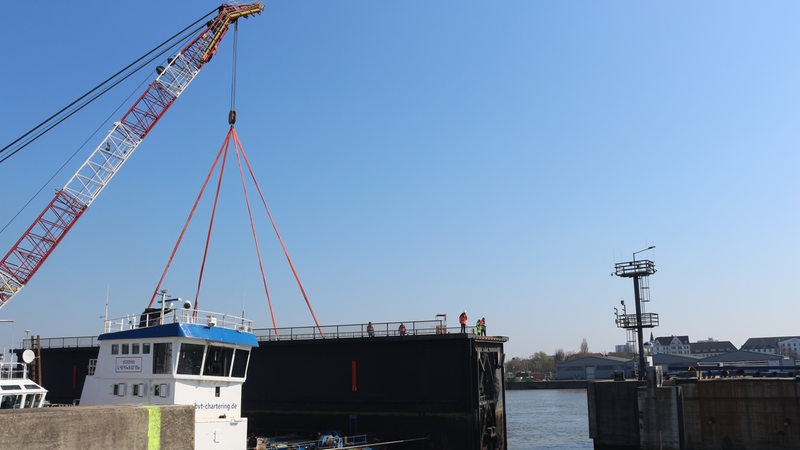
(463, 320)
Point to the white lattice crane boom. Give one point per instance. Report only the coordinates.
(69, 203)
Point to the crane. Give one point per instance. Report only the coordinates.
(70, 202)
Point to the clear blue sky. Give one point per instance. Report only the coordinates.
(427, 157)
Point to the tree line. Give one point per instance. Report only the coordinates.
(540, 365)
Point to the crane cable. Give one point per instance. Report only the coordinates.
(48, 122)
(278, 235)
(13, 148)
(240, 156)
(239, 149)
(232, 112)
(222, 154)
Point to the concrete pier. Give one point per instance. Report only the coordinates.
(98, 428)
(723, 413)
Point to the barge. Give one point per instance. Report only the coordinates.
(428, 387)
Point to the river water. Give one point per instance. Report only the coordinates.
(552, 419)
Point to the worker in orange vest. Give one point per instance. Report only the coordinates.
(463, 320)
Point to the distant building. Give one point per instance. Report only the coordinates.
(747, 359)
(595, 368)
(672, 345)
(790, 346)
(774, 345)
(672, 364)
(711, 348)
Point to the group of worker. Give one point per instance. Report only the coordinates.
(480, 324)
(401, 330)
(480, 327)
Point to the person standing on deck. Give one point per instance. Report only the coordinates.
(462, 319)
(483, 326)
(370, 330)
(478, 327)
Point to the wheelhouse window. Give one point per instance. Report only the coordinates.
(146, 349)
(218, 361)
(240, 363)
(161, 390)
(32, 400)
(135, 349)
(190, 359)
(162, 357)
(138, 390)
(10, 401)
(120, 389)
(125, 349)
(114, 349)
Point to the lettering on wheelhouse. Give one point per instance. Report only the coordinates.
(129, 364)
(216, 406)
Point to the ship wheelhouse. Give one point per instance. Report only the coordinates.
(16, 389)
(177, 358)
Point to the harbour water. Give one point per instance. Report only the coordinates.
(547, 419)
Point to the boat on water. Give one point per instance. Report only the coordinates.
(177, 356)
(17, 390)
(184, 356)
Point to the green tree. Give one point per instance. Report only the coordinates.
(515, 365)
(560, 356)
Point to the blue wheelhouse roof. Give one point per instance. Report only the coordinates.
(188, 330)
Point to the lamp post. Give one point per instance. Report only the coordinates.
(642, 250)
(638, 270)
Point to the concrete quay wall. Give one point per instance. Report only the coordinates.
(742, 414)
(739, 413)
(613, 414)
(98, 428)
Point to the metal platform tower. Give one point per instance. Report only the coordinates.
(640, 271)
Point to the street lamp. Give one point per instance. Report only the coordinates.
(639, 271)
(642, 250)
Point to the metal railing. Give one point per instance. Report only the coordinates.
(153, 317)
(638, 268)
(354, 330)
(649, 320)
(343, 331)
(13, 371)
(64, 342)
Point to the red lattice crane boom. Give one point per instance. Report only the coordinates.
(40, 239)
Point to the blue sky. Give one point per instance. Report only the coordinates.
(428, 157)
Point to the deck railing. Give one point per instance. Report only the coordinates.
(13, 371)
(342, 331)
(64, 342)
(153, 317)
(353, 330)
